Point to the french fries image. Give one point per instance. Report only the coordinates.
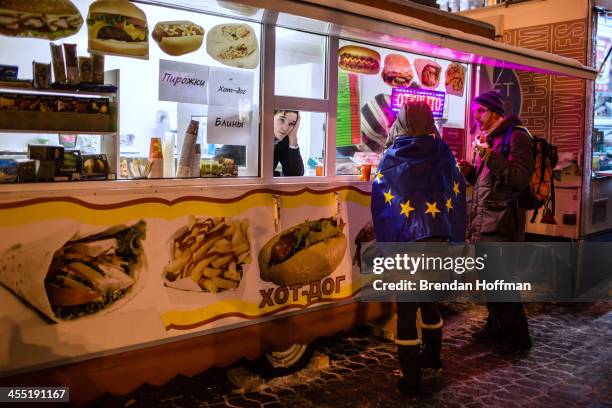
(212, 252)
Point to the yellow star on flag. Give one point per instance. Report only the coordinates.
(432, 208)
(406, 208)
(388, 197)
(379, 176)
(456, 188)
(449, 204)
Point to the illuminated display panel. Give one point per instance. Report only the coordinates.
(435, 99)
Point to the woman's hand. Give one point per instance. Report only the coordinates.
(465, 167)
(293, 141)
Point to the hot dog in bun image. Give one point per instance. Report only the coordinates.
(78, 270)
(360, 60)
(178, 37)
(397, 71)
(47, 19)
(304, 253)
(234, 45)
(117, 27)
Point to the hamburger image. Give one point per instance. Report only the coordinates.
(454, 79)
(73, 273)
(234, 45)
(178, 37)
(47, 19)
(428, 72)
(304, 253)
(360, 60)
(117, 27)
(397, 71)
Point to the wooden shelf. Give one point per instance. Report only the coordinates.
(56, 122)
(63, 132)
(70, 92)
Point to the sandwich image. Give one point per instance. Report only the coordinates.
(46, 19)
(428, 72)
(178, 37)
(208, 255)
(454, 79)
(238, 8)
(304, 253)
(117, 27)
(360, 60)
(234, 45)
(397, 71)
(86, 274)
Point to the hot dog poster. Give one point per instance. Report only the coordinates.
(399, 69)
(85, 275)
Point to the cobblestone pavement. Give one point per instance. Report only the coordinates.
(570, 365)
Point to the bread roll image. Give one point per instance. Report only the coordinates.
(178, 37)
(307, 252)
(397, 71)
(428, 72)
(234, 45)
(358, 59)
(454, 79)
(241, 9)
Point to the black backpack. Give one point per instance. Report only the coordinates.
(541, 191)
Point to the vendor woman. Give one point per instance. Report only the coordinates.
(286, 149)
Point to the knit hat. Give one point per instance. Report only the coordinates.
(492, 100)
(376, 119)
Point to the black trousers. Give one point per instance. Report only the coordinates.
(407, 320)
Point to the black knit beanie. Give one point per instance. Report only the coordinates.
(492, 100)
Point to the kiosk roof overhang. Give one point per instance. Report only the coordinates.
(401, 25)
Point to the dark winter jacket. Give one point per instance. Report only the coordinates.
(290, 159)
(494, 212)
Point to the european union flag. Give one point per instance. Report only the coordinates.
(418, 192)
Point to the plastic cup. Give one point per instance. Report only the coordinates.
(319, 170)
(366, 171)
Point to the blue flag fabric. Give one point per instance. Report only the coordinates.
(418, 192)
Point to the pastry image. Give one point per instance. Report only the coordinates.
(454, 79)
(84, 274)
(397, 71)
(304, 253)
(234, 45)
(360, 60)
(47, 19)
(117, 27)
(428, 72)
(209, 255)
(178, 37)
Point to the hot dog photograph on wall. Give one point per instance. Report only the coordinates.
(454, 79)
(45, 19)
(360, 60)
(77, 271)
(428, 72)
(209, 255)
(117, 27)
(234, 45)
(304, 253)
(178, 37)
(397, 71)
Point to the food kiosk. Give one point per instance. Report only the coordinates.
(144, 234)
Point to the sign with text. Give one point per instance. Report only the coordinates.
(455, 140)
(228, 125)
(182, 82)
(402, 96)
(231, 87)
